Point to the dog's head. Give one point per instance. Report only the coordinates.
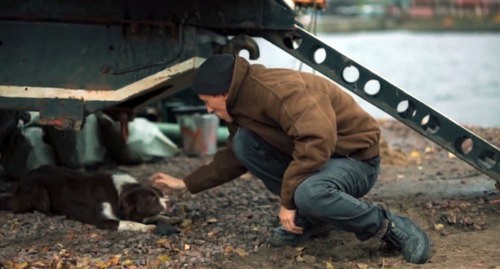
(139, 202)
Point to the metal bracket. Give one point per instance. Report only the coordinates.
(64, 114)
(356, 78)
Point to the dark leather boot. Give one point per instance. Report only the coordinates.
(404, 235)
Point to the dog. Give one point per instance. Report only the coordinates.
(108, 201)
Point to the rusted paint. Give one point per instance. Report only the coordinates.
(117, 95)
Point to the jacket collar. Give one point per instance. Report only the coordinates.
(240, 73)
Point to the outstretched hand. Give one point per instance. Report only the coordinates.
(287, 219)
(162, 179)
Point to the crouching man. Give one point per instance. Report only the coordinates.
(309, 142)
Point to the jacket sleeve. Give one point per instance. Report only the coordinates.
(310, 121)
(223, 168)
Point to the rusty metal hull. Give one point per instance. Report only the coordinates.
(67, 59)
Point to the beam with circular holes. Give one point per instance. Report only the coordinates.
(356, 78)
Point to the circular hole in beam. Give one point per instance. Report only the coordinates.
(244, 53)
(406, 109)
(372, 87)
(430, 123)
(350, 74)
(319, 55)
(464, 144)
(292, 41)
(487, 159)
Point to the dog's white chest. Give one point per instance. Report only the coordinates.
(107, 211)
(120, 180)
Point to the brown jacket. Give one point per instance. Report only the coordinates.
(300, 114)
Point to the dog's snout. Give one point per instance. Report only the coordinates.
(167, 203)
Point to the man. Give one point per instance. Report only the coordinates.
(309, 142)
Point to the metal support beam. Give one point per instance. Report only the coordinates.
(66, 108)
(356, 78)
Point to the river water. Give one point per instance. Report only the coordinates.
(457, 74)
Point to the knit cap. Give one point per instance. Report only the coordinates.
(214, 75)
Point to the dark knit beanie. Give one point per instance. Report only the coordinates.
(214, 75)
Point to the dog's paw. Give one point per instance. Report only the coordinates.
(165, 229)
(149, 228)
(126, 225)
(163, 219)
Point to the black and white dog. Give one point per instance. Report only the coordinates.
(109, 201)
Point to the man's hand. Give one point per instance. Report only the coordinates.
(168, 180)
(287, 219)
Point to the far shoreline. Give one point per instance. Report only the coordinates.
(337, 24)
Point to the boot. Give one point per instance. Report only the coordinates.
(403, 234)
(281, 237)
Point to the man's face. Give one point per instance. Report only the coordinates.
(216, 104)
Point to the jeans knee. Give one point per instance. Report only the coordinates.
(242, 144)
(309, 196)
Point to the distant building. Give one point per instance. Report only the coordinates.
(414, 8)
(477, 7)
(422, 9)
(474, 8)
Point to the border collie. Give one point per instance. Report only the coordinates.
(109, 201)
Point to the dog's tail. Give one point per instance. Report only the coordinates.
(5, 201)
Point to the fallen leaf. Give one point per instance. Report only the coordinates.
(438, 226)
(71, 235)
(241, 252)
(228, 250)
(299, 249)
(101, 264)
(127, 262)
(163, 258)
(84, 263)
(362, 266)
(114, 260)
(309, 259)
(163, 242)
(94, 235)
(415, 155)
(39, 264)
(212, 233)
(21, 265)
(212, 220)
(186, 222)
(329, 265)
(187, 247)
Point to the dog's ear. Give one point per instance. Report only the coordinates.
(157, 191)
(149, 184)
(127, 203)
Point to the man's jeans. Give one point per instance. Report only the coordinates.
(328, 196)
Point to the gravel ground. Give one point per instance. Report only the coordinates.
(228, 226)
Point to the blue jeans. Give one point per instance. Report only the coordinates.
(329, 196)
